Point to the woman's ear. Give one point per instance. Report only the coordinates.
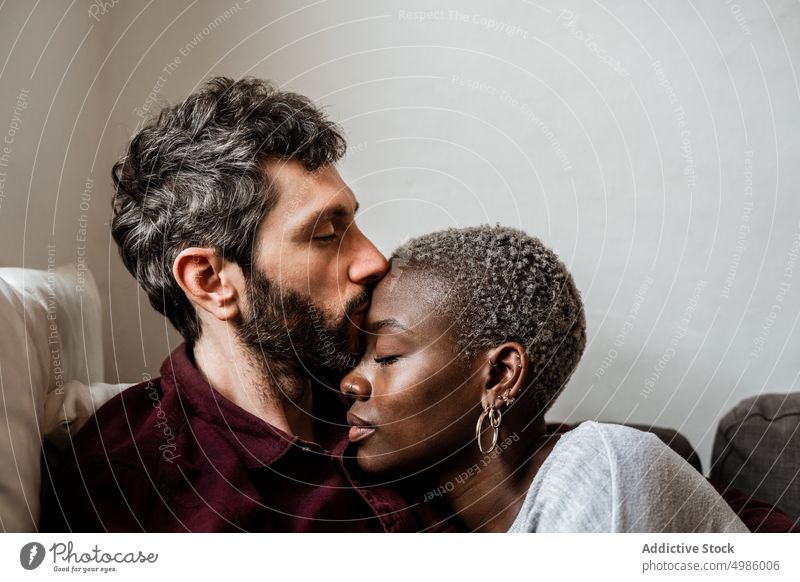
(506, 370)
(209, 281)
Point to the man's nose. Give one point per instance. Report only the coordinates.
(356, 387)
(368, 264)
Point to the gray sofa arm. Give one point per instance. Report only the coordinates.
(757, 450)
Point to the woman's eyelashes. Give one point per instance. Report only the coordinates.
(384, 361)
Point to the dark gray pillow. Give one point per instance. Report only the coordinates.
(757, 450)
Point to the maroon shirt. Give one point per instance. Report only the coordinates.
(172, 454)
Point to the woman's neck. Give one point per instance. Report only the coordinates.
(487, 491)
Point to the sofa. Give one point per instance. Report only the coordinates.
(51, 371)
(757, 450)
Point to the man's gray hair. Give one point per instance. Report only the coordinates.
(195, 176)
(500, 284)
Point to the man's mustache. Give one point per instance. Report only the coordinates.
(359, 300)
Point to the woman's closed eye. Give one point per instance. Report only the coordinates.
(384, 361)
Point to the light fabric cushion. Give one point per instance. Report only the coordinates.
(66, 411)
(51, 334)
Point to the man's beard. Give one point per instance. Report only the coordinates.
(291, 338)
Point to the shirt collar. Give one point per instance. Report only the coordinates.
(260, 443)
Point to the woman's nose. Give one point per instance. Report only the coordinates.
(356, 386)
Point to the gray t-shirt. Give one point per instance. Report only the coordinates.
(612, 478)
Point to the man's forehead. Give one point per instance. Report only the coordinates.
(305, 194)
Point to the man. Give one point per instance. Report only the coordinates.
(230, 214)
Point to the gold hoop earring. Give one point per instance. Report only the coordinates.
(495, 417)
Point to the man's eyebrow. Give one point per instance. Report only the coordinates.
(335, 211)
(377, 326)
(339, 210)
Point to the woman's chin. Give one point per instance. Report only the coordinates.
(375, 463)
(389, 466)
(367, 462)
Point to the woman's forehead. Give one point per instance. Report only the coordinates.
(410, 298)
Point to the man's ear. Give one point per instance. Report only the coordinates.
(505, 371)
(209, 281)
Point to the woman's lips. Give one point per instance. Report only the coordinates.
(359, 428)
(359, 433)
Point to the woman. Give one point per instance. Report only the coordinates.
(471, 337)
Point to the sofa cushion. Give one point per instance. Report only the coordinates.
(51, 322)
(757, 450)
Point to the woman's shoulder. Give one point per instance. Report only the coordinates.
(607, 477)
(610, 434)
(577, 487)
(622, 449)
(571, 491)
(600, 441)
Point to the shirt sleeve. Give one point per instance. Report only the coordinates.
(101, 496)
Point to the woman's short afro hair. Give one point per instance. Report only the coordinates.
(501, 284)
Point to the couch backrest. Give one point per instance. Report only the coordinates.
(51, 324)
